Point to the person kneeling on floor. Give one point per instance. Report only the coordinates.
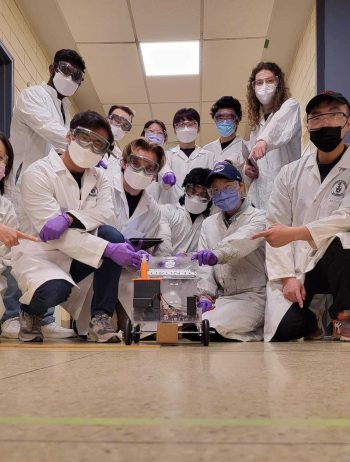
(67, 201)
(232, 266)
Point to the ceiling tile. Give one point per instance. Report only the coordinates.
(174, 89)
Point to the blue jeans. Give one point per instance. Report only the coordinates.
(105, 283)
(12, 303)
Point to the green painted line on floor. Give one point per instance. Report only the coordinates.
(308, 422)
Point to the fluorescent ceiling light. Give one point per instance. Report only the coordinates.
(171, 58)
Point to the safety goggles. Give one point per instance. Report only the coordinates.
(226, 189)
(154, 132)
(139, 163)
(186, 124)
(331, 119)
(269, 81)
(88, 139)
(199, 191)
(69, 70)
(121, 122)
(222, 116)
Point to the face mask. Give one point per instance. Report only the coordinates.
(195, 205)
(226, 128)
(265, 93)
(2, 170)
(137, 180)
(118, 132)
(186, 135)
(227, 201)
(64, 85)
(82, 157)
(156, 138)
(326, 139)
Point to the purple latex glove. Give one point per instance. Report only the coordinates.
(102, 164)
(205, 257)
(123, 254)
(55, 227)
(169, 178)
(205, 304)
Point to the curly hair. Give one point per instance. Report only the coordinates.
(253, 104)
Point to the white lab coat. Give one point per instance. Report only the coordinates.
(178, 232)
(282, 133)
(180, 164)
(237, 152)
(298, 199)
(239, 278)
(47, 190)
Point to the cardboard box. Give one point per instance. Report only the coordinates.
(167, 333)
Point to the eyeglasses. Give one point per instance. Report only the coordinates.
(88, 139)
(120, 121)
(139, 163)
(198, 191)
(221, 117)
(331, 118)
(186, 123)
(227, 189)
(69, 70)
(269, 81)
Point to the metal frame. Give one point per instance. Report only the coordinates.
(6, 88)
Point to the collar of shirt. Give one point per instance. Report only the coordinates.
(242, 209)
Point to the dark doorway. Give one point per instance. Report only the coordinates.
(6, 89)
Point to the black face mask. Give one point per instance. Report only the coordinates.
(326, 139)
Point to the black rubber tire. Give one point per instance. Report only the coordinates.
(137, 333)
(205, 332)
(128, 332)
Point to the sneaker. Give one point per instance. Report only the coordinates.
(101, 330)
(10, 328)
(341, 327)
(30, 327)
(54, 330)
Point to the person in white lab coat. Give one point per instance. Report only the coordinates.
(308, 250)
(232, 266)
(120, 118)
(275, 139)
(181, 223)
(67, 202)
(227, 114)
(186, 155)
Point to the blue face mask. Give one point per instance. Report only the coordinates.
(226, 127)
(227, 200)
(156, 138)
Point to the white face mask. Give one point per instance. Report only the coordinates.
(64, 85)
(186, 135)
(195, 205)
(118, 132)
(82, 157)
(137, 180)
(265, 93)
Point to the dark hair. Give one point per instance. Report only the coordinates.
(9, 163)
(126, 109)
(186, 113)
(158, 122)
(92, 119)
(146, 146)
(226, 102)
(197, 176)
(281, 95)
(70, 56)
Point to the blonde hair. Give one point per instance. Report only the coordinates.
(142, 143)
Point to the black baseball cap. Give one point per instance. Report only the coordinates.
(326, 96)
(225, 170)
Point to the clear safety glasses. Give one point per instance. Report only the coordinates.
(88, 139)
(69, 70)
(269, 81)
(121, 122)
(223, 116)
(199, 191)
(331, 119)
(139, 163)
(186, 124)
(154, 132)
(227, 189)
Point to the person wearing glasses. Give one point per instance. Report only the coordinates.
(40, 122)
(232, 278)
(275, 139)
(308, 233)
(120, 118)
(67, 202)
(227, 114)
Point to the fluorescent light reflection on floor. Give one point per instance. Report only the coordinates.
(171, 58)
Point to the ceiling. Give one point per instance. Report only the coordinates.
(107, 33)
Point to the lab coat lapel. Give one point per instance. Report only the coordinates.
(344, 163)
(88, 183)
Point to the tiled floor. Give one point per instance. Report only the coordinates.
(228, 402)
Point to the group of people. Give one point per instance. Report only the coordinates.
(268, 228)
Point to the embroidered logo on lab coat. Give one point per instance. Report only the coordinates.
(93, 192)
(339, 188)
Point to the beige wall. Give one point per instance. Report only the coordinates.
(302, 77)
